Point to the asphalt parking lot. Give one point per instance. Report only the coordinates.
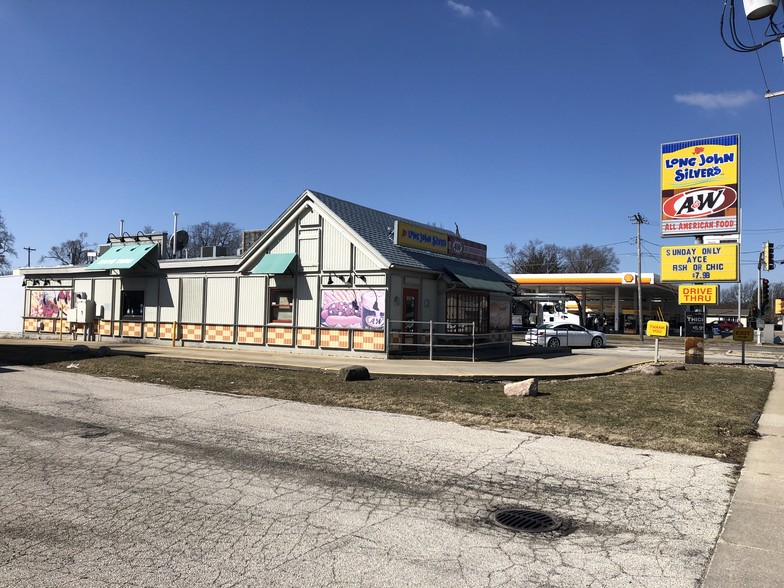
(113, 483)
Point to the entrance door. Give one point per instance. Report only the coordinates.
(410, 315)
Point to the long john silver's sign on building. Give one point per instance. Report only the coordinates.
(699, 187)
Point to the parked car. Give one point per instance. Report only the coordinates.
(566, 334)
(724, 326)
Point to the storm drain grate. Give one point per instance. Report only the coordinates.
(527, 521)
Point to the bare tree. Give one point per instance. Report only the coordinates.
(585, 259)
(207, 234)
(73, 252)
(6, 247)
(748, 293)
(534, 257)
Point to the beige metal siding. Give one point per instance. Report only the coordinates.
(362, 262)
(286, 242)
(169, 299)
(252, 300)
(151, 299)
(309, 250)
(192, 300)
(85, 286)
(221, 297)
(336, 254)
(309, 218)
(307, 300)
(102, 295)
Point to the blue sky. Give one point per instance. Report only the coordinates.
(515, 120)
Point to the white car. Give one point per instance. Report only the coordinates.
(564, 334)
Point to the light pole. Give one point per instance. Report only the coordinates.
(29, 250)
(639, 219)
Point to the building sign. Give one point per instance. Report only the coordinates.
(431, 239)
(420, 237)
(698, 294)
(466, 249)
(699, 187)
(700, 263)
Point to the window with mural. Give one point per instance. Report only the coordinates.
(49, 303)
(132, 302)
(467, 307)
(281, 306)
(353, 309)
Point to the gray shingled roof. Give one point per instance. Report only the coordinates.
(377, 228)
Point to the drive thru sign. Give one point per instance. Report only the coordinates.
(698, 294)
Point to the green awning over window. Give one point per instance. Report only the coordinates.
(478, 277)
(274, 263)
(124, 257)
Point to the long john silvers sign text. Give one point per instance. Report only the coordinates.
(699, 187)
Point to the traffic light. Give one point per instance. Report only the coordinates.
(767, 256)
(779, 306)
(765, 293)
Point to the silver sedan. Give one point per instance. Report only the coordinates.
(564, 334)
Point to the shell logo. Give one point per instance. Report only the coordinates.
(628, 279)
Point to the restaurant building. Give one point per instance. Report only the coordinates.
(328, 276)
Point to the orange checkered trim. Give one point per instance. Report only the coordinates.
(131, 329)
(150, 330)
(334, 338)
(250, 335)
(306, 337)
(223, 333)
(165, 330)
(105, 328)
(190, 333)
(369, 340)
(30, 324)
(280, 336)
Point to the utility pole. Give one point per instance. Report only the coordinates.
(28, 249)
(639, 219)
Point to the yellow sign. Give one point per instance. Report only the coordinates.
(688, 164)
(699, 187)
(698, 294)
(700, 263)
(657, 328)
(420, 237)
(742, 334)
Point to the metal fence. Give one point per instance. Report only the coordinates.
(446, 340)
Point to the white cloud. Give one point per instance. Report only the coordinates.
(462, 10)
(491, 18)
(718, 100)
(466, 11)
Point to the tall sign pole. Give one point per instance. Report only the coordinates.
(700, 198)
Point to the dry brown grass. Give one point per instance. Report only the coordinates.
(704, 410)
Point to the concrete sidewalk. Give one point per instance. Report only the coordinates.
(750, 550)
(589, 362)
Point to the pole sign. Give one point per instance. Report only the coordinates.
(699, 187)
(700, 263)
(657, 328)
(695, 324)
(698, 294)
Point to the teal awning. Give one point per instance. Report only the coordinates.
(124, 257)
(274, 263)
(478, 277)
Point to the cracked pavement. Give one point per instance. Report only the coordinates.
(110, 483)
